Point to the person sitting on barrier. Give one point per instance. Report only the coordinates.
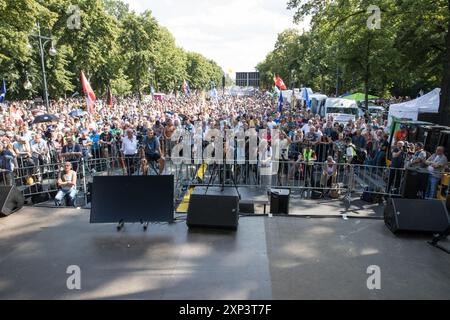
(67, 182)
(436, 166)
(329, 173)
(152, 149)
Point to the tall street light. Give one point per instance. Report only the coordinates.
(52, 52)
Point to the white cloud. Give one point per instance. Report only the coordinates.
(236, 34)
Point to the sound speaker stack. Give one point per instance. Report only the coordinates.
(11, 200)
(213, 209)
(425, 216)
(279, 201)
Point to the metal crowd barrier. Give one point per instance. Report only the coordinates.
(342, 179)
(297, 175)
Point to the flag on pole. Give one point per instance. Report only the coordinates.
(214, 93)
(186, 88)
(88, 92)
(279, 83)
(306, 97)
(280, 103)
(109, 98)
(3, 92)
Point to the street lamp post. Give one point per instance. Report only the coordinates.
(52, 52)
(337, 61)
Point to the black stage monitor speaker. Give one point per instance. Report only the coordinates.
(213, 211)
(132, 199)
(279, 201)
(414, 182)
(11, 200)
(406, 215)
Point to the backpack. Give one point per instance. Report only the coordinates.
(361, 156)
(368, 195)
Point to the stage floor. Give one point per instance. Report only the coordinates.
(267, 258)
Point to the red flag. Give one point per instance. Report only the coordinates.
(280, 83)
(109, 102)
(88, 92)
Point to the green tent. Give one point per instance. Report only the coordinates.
(360, 97)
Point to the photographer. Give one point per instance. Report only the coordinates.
(398, 162)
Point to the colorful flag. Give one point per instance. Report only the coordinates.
(88, 92)
(214, 93)
(109, 98)
(3, 92)
(280, 103)
(186, 88)
(306, 97)
(279, 83)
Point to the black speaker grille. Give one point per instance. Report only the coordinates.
(419, 215)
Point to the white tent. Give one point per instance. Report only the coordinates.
(318, 97)
(410, 110)
(299, 94)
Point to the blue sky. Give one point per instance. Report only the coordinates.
(237, 34)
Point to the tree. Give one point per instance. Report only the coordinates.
(112, 45)
(410, 52)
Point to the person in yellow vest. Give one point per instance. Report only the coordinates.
(308, 157)
(350, 153)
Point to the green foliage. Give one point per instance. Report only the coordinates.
(132, 51)
(408, 53)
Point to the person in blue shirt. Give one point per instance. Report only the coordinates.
(152, 148)
(95, 148)
(6, 166)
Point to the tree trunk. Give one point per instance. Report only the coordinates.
(444, 106)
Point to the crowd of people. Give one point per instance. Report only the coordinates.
(144, 130)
